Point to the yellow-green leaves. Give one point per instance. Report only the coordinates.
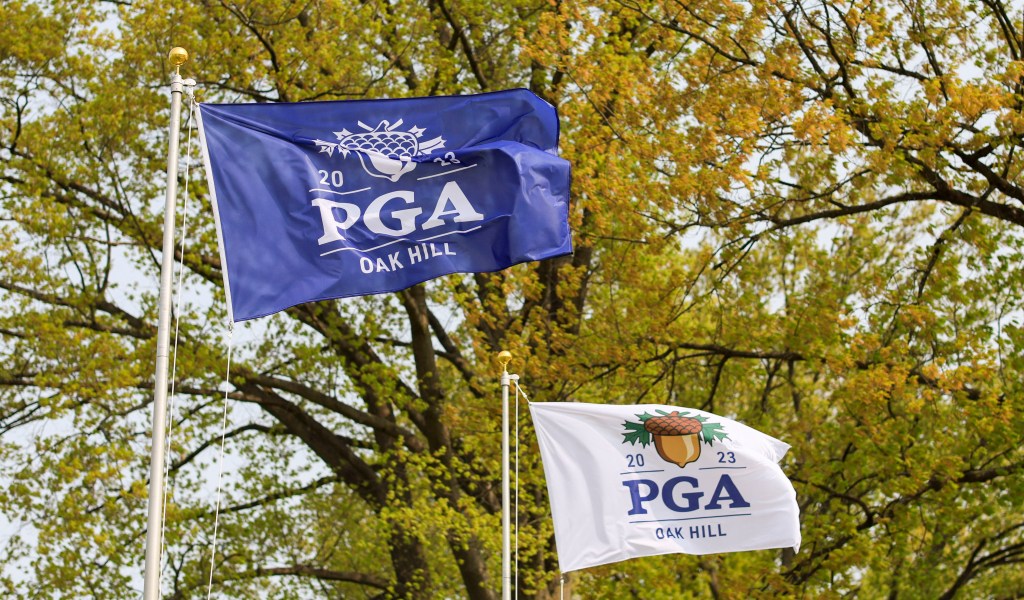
(806, 216)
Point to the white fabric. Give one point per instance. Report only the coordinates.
(733, 497)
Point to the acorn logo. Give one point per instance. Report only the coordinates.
(676, 436)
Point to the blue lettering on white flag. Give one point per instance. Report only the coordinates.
(324, 200)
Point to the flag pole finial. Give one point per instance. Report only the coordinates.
(504, 357)
(177, 57)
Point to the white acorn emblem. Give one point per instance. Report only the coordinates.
(383, 150)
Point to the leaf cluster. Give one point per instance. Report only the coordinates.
(805, 216)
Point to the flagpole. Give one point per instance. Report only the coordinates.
(154, 526)
(506, 541)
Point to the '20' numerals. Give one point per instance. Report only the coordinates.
(332, 178)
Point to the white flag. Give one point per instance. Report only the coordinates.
(643, 480)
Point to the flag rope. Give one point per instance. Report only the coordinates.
(220, 460)
(515, 570)
(561, 576)
(177, 319)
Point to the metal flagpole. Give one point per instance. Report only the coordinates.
(151, 589)
(506, 567)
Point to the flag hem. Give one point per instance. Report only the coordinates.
(216, 213)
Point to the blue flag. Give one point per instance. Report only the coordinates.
(321, 200)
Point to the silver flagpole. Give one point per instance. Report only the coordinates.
(506, 563)
(151, 589)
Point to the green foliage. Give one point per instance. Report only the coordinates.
(803, 216)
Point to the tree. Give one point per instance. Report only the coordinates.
(804, 216)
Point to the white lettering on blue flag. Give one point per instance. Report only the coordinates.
(325, 200)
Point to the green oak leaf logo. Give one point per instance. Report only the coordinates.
(676, 435)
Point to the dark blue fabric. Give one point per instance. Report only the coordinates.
(322, 200)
